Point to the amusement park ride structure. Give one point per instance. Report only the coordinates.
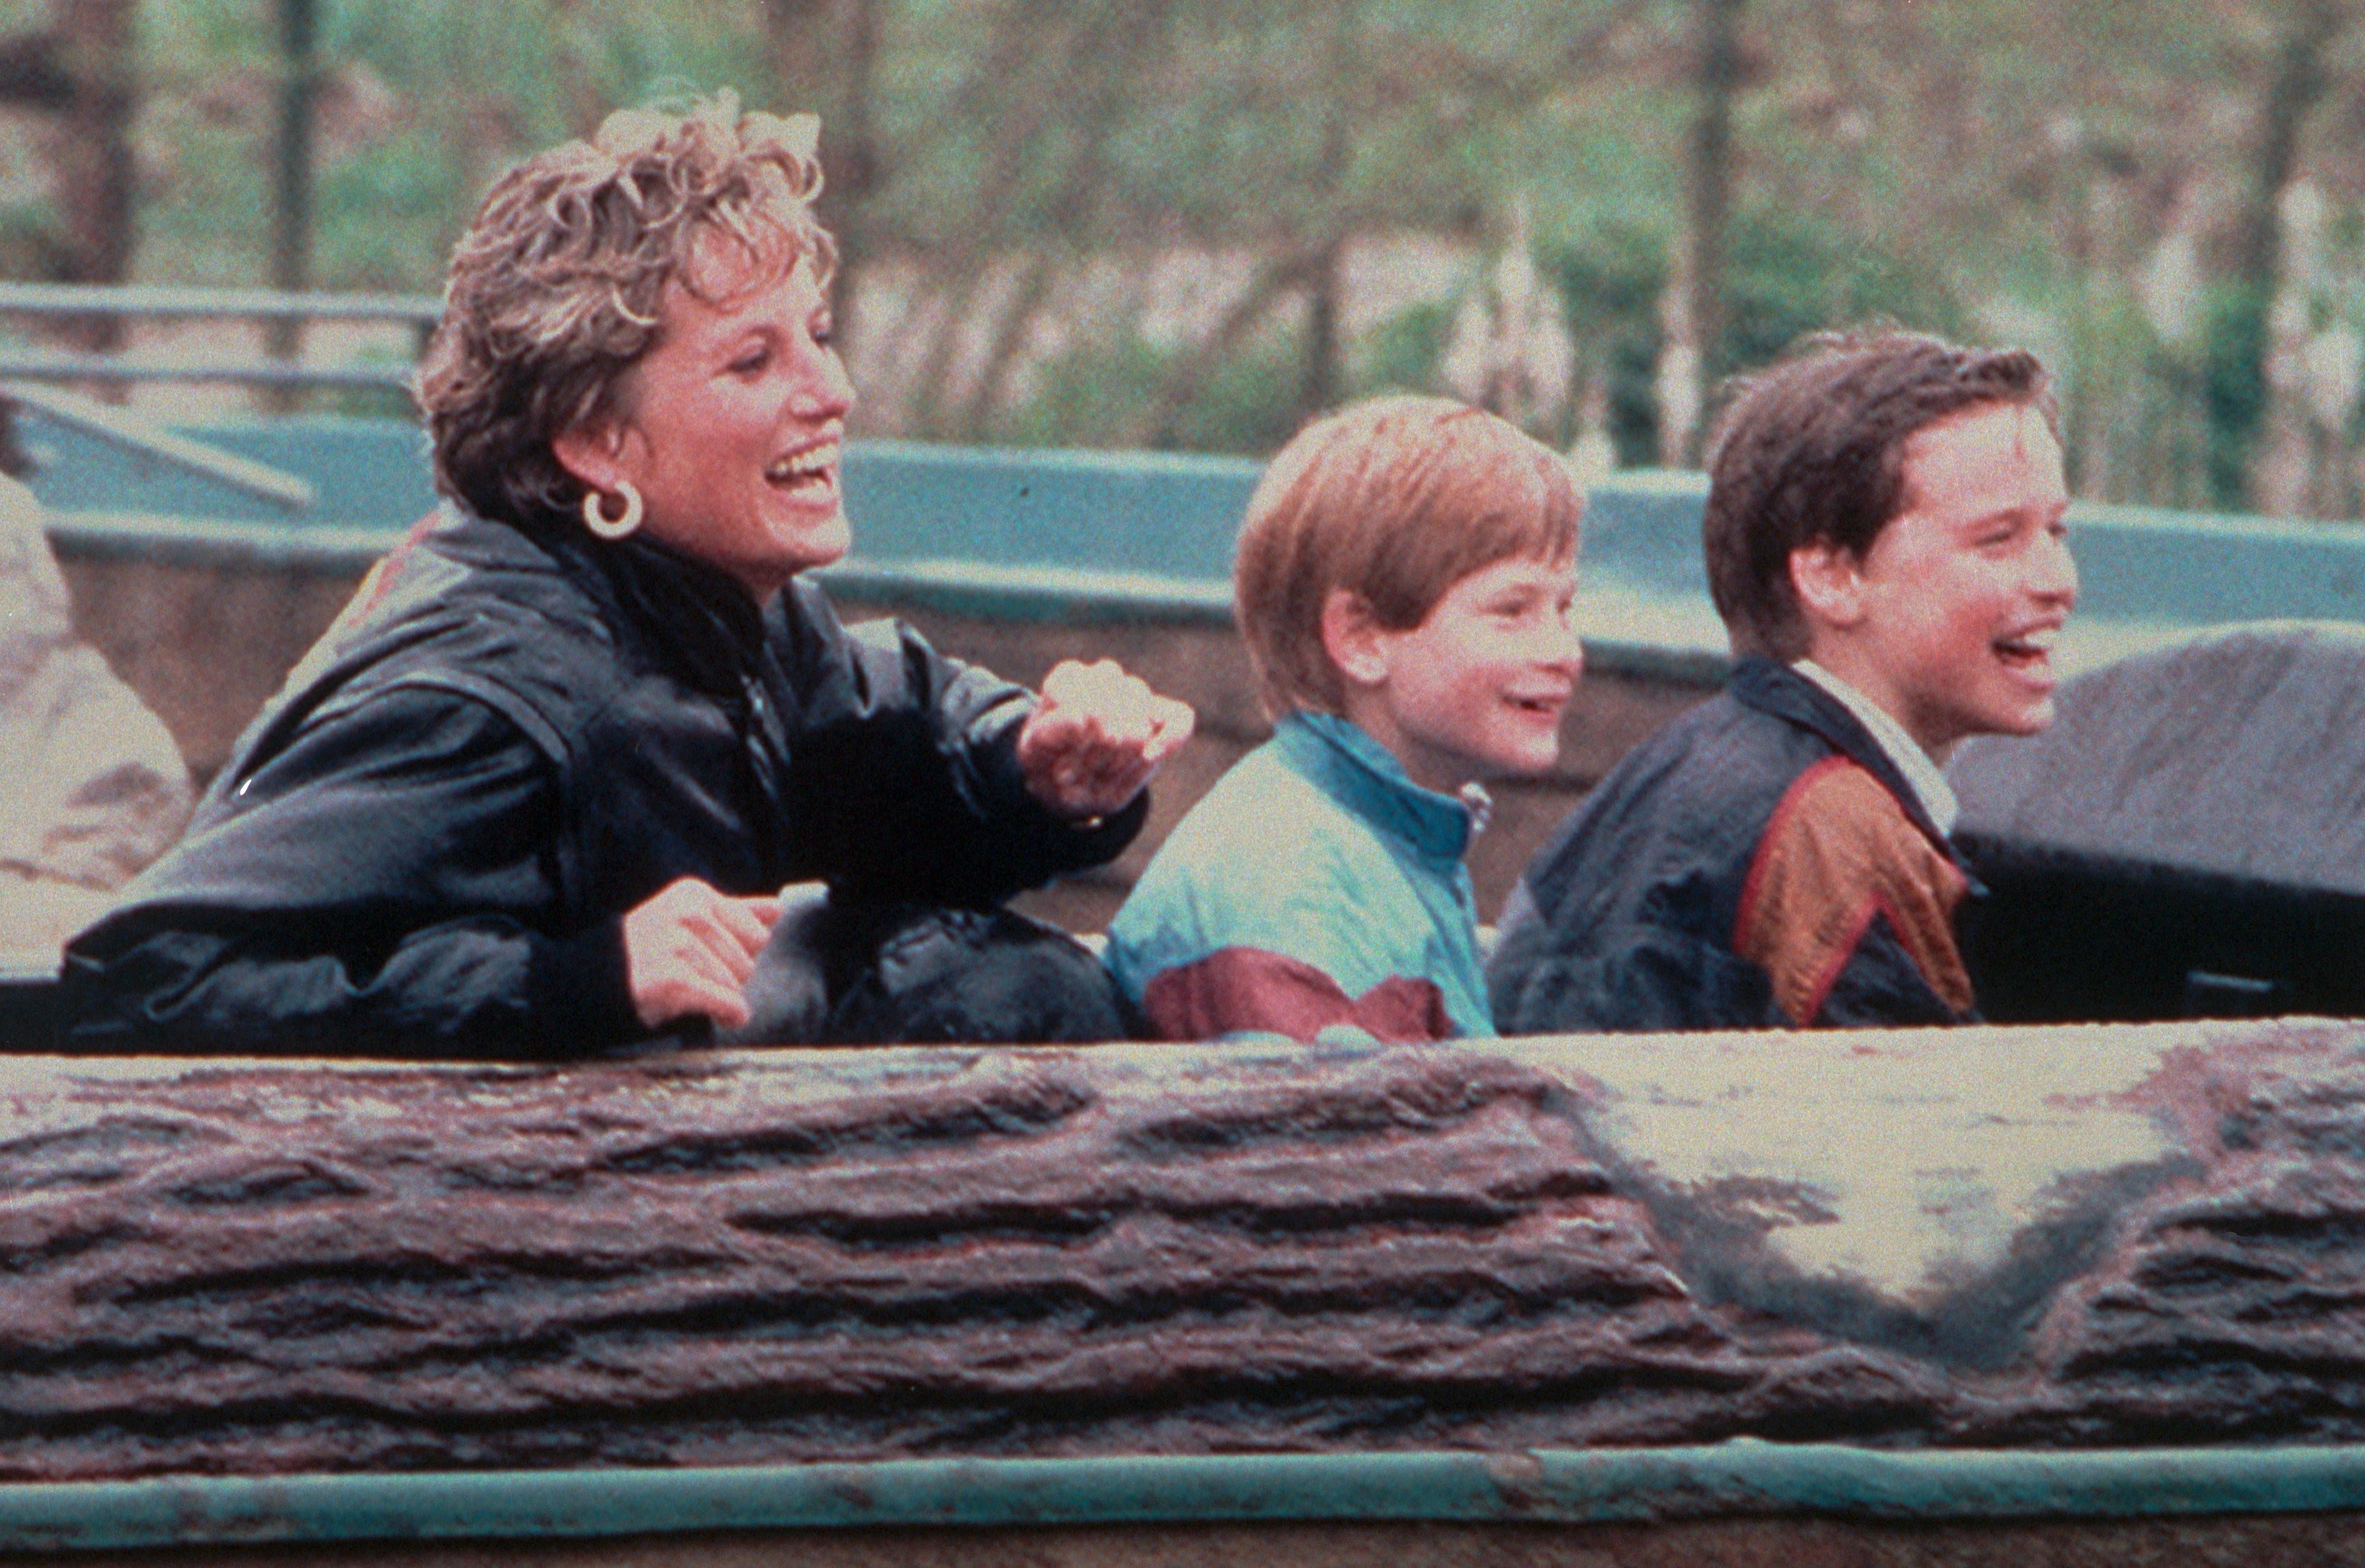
(2071, 1284)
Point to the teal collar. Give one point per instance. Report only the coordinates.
(1363, 775)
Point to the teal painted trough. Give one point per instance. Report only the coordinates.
(1555, 1487)
(1072, 535)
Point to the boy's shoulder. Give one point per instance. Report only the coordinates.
(1269, 857)
(1839, 850)
(1766, 825)
(1276, 888)
(1723, 764)
(1700, 797)
(1265, 835)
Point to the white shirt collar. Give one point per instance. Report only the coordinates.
(1920, 769)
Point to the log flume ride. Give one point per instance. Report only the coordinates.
(2069, 1291)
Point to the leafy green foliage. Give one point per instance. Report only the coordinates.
(1400, 354)
(1786, 278)
(1097, 397)
(2234, 385)
(1789, 277)
(1948, 167)
(1610, 281)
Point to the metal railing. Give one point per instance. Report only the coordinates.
(83, 301)
(132, 434)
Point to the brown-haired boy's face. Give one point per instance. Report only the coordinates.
(1948, 622)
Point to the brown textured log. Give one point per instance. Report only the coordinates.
(759, 1257)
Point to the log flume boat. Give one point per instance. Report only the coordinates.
(2084, 1285)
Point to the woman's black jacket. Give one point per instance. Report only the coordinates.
(427, 843)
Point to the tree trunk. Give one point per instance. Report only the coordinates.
(1712, 180)
(798, 34)
(31, 75)
(824, 58)
(2297, 84)
(1008, 340)
(1102, 57)
(1319, 388)
(1160, 427)
(2239, 381)
(291, 211)
(1023, 119)
(1971, 1237)
(855, 181)
(94, 164)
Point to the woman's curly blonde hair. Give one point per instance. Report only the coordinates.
(557, 288)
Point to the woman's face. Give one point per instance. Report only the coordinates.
(733, 423)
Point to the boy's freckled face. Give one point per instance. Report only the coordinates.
(1963, 595)
(1476, 691)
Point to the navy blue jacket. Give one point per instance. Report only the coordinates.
(1759, 862)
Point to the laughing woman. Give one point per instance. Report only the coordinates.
(536, 792)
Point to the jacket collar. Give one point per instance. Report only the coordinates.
(1364, 776)
(1928, 779)
(1777, 690)
(697, 617)
(721, 628)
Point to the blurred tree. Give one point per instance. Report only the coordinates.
(291, 208)
(33, 78)
(93, 157)
(32, 75)
(1422, 124)
(824, 57)
(1696, 330)
(1610, 280)
(1192, 224)
(2297, 77)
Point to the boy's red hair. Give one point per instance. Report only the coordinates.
(1395, 498)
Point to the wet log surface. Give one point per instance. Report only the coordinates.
(2020, 1237)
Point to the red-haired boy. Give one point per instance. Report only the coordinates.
(1403, 584)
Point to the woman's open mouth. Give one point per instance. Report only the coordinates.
(811, 474)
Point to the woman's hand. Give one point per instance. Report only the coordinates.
(690, 949)
(1097, 737)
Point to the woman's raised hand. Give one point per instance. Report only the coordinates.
(690, 948)
(1097, 738)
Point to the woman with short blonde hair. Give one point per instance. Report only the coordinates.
(538, 790)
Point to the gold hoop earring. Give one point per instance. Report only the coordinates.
(595, 512)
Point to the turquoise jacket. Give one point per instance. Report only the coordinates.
(1315, 888)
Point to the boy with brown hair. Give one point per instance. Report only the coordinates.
(1884, 542)
(1403, 583)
